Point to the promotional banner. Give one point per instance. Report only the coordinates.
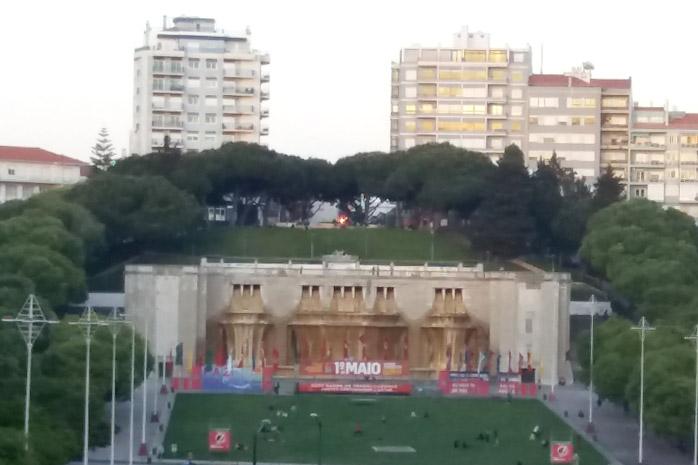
(354, 388)
(219, 440)
(233, 380)
(508, 385)
(464, 383)
(355, 368)
(561, 452)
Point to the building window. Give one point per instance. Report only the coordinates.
(516, 93)
(529, 325)
(211, 64)
(211, 82)
(193, 99)
(192, 137)
(192, 117)
(516, 110)
(580, 102)
(519, 57)
(210, 136)
(193, 82)
(210, 117)
(194, 63)
(10, 171)
(410, 75)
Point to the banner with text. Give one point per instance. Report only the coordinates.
(464, 383)
(355, 368)
(354, 388)
(219, 440)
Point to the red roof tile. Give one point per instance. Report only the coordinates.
(560, 80)
(36, 155)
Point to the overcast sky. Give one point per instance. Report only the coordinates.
(67, 65)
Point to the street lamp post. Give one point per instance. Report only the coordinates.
(592, 312)
(694, 337)
(87, 321)
(30, 321)
(115, 321)
(131, 398)
(643, 328)
(143, 449)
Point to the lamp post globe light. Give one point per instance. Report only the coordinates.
(643, 327)
(30, 321)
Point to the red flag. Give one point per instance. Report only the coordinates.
(509, 362)
(346, 349)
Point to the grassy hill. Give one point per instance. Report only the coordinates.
(367, 244)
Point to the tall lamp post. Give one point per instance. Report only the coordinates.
(694, 337)
(131, 398)
(143, 449)
(592, 313)
(87, 321)
(114, 321)
(643, 328)
(319, 437)
(30, 321)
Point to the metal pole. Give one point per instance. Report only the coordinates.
(694, 337)
(592, 311)
(319, 446)
(86, 437)
(113, 395)
(156, 371)
(643, 328)
(133, 376)
(29, 315)
(144, 450)
(254, 449)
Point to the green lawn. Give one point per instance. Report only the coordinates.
(368, 244)
(432, 437)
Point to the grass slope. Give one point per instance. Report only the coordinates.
(433, 437)
(368, 244)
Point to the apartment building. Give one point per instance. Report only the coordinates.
(26, 171)
(471, 95)
(198, 86)
(585, 121)
(664, 157)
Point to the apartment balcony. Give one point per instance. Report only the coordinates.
(168, 69)
(238, 91)
(167, 107)
(264, 95)
(646, 146)
(239, 73)
(238, 127)
(615, 127)
(175, 125)
(265, 77)
(169, 88)
(238, 109)
(264, 59)
(264, 132)
(264, 113)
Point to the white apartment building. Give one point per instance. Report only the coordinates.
(199, 86)
(664, 157)
(471, 95)
(25, 171)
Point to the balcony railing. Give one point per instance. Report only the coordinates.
(167, 124)
(238, 127)
(265, 77)
(238, 109)
(264, 95)
(264, 113)
(264, 132)
(238, 90)
(264, 59)
(174, 87)
(239, 73)
(171, 69)
(167, 106)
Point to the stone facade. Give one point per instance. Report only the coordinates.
(302, 312)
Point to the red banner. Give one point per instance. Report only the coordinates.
(354, 388)
(463, 383)
(513, 385)
(219, 440)
(355, 368)
(561, 452)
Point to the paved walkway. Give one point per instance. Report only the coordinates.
(153, 435)
(616, 431)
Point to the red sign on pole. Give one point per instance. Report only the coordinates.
(219, 440)
(561, 452)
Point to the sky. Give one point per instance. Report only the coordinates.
(67, 65)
